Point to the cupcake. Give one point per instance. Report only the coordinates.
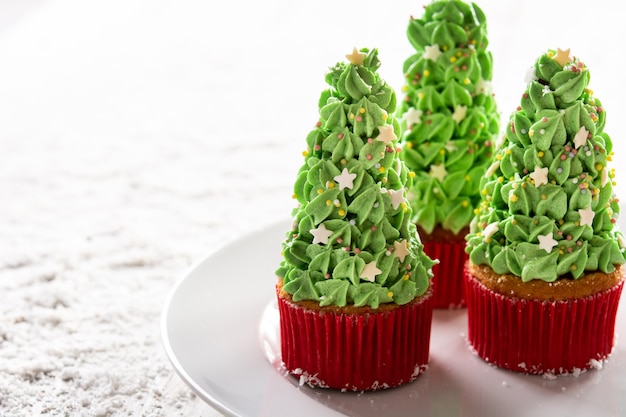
(545, 273)
(450, 120)
(354, 282)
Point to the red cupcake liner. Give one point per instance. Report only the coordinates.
(355, 352)
(447, 283)
(541, 337)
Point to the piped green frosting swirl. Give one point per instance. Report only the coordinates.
(353, 242)
(449, 115)
(548, 209)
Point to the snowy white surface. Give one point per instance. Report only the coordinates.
(138, 136)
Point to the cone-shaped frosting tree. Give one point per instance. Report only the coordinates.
(450, 120)
(548, 209)
(448, 112)
(353, 242)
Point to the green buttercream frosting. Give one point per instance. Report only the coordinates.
(547, 208)
(449, 115)
(352, 241)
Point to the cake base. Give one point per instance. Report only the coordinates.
(447, 282)
(540, 336)
(360, 350)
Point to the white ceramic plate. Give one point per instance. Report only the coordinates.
(220, 331)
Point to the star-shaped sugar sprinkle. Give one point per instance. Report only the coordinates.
(545, 90)
(413, 117)
(530, 75)
(483, 86)
(386, 134)
(370, 271)
(321, 234)
(581, 137)
(450, 146)
(547, 242)
(586, 216)
(438, 171)
(492, 169)
(562, 56)
(397, 198)
(345, 179)
(401, 249)
(490, 230)
(539, 176)
(432, 52)
(459, 113)
(604, 177)
(356, 57)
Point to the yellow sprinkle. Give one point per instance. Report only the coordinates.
(328, 202)
(574, 267)
(561, 222)
(442, 151)
(421, 96)
(405, 277)
(513, 222)
(411, 174)
(452, 59)
(385, 116)
(466, 81)
(390, 294)
(459, 54)
(426, 73)
(381, 169)
(544, 197)
(500, 180)
(384, 180)
(409, 145)
(405, 88)
(331, 184)
(476, 211)
(344, 161)
(350, 116)
(484, 191)
(341, 212)
(464, 203)
(561, 252)
(305, 153)
(531, 133)
(507, 151)
(540, 154)
(362, 110)
(320, 190)
(473, 42)
(513, 198)
(599, 167)
(294, 196)
(499, 157)
(445, 47)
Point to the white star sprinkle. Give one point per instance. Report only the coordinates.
(490, 230)
(547, 242)
(540, 176)
(459, 113)
(492, 169)
(356, 57)
(413, 117)
(581, 137)
(432, 52)
(530, 75)
(397, 198)
(401, 249)
(586, 216)
(483, 86)
(386, 134)
(345, 179)
(321, 234)
(545, 90)
(450, 146)
(370, 271)
(438, 171)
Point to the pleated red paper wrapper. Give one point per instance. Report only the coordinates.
(356, 352)
(541, 337)
(447, 283)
